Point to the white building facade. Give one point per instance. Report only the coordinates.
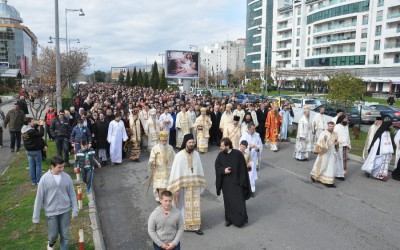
(224, 58)
(314, 38)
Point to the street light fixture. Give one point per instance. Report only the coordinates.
(58, 58)
(63, 39)
(81, 13)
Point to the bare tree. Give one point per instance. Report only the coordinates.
(40, 96)
(72, 65)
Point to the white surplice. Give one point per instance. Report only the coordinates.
(116, 135)
(377, 164)
(371, 132)
(303, 139)
(255, 156)
(319, 124)
(344, 141)
(324, 166)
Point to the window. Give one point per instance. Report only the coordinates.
(297, 53)
(298, 31)
(363, 47)
(308, 41)
(298, 10)
(297, 42)
(364, 33)
(309, 30)
(299, 21)
(381, 3)
(365, 19)
(376, 59)
(397, 58)
(379, 15)
(378, 30)
(377, 45)
(308, 52)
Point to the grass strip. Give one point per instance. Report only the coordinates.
(16, 208)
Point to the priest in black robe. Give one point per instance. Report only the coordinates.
(233, 179)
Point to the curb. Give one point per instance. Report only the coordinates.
(98, 239)
(6, 100)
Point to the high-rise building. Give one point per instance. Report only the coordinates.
(224, 58)
(259, 23)
(18, 45)
(316, 38)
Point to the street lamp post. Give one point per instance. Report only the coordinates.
(162, 59)
(81, 13)
(58, 59)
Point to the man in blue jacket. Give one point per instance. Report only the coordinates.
(80, 133)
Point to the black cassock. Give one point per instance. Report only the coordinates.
(235, 186)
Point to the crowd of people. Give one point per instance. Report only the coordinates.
(108, 123)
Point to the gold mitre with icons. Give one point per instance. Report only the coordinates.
(164, 135)
(203, 110)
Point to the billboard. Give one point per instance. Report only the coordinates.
(182, 64)
(115, 71)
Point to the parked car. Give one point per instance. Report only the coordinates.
(298, 103)
(388, 112)
(330, 110)
(201, 92)
(368, 113)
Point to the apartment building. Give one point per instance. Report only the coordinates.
(315, 38)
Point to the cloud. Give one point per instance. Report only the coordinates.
(128, 31)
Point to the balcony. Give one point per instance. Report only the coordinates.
(326, 4)
(336, 51)
(396, 60)
(334, 27)
(285, 37)
(333, 39)
(392, 46)
(394, 32)
(393, 17)
(375, 61)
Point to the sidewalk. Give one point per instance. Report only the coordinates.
(6, 99)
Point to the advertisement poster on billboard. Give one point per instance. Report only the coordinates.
(182, 64)
(115, 71)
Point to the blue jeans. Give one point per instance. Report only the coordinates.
(178, 247)
(35, 165)
(62, 144)
(59, 224)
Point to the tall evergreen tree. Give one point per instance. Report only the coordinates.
(163, 81)
(121, 78)
(140, 79)
(146, 80)
(134, 78)
(128, 79)
(155, 77)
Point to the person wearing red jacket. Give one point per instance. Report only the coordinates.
(49, 116)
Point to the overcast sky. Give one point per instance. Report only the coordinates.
(123, 32)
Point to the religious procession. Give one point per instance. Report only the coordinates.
(113, 122)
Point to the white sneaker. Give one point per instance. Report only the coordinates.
(49, 247)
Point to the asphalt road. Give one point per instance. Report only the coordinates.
(5, 151)
(288, 212)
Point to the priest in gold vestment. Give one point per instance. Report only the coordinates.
(160, 162)
(202, 127)
(187, 182)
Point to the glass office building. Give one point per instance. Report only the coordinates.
(18, 45)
